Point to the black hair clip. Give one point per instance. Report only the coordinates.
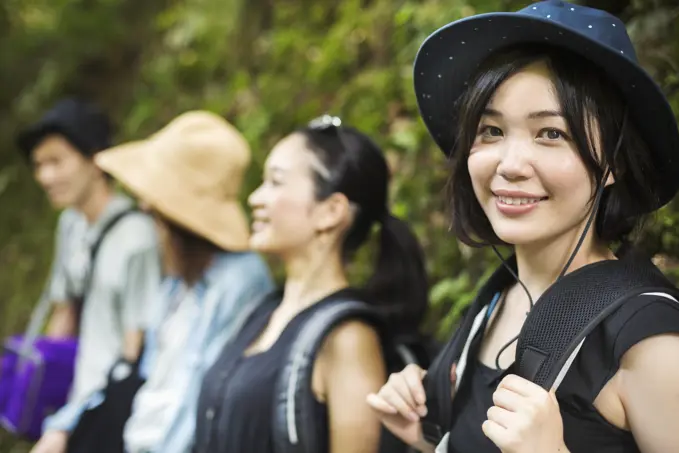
(325, 122)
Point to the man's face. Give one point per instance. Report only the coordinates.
(63, 172)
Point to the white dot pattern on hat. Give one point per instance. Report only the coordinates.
(549, 16)
(589, 26)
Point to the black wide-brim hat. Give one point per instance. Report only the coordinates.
(449, 58)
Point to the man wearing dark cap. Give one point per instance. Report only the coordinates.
(61, 147)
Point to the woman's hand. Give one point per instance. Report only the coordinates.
(400, 404)
(51, 442)
(524, 419)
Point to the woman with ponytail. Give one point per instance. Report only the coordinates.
(325, 188)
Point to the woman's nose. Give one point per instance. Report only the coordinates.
(515, 160)
(254, 197)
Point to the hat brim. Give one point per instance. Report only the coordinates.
(221, 221)
(449, 58)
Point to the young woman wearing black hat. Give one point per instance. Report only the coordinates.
(325, 188)
(551, 127)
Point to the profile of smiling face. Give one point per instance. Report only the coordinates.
(525, 169)
(287, 215)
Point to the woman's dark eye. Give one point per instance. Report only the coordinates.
(491, 131)
(552, 134)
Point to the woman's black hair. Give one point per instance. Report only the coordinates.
(186, 252)
(356, 167)
(592, 107)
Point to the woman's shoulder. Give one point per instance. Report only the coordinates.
(640, 317)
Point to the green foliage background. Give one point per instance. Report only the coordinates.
(267, 66)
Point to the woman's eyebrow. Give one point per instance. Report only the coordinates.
(533, 115)
(274, 170)
(545, 114)
(491, 112)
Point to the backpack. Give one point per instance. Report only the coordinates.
(296, 430)
(554, 330)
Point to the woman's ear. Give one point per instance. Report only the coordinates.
(610, 179)
(332, 212)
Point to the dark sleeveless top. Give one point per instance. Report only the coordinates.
(585, 429)
(235, 405)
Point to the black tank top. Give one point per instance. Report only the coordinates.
(235, 406)
(585, 429)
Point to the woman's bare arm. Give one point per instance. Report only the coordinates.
(650, 392)
(352, 367)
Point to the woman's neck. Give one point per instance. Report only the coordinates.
(310, 276)
(540, 265)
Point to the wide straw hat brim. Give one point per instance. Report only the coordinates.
(136, 166)
(448, 59)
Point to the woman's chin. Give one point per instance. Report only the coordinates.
(516, 236)
(258, 243)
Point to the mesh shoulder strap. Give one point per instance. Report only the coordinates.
(295, 428)
(571, 308)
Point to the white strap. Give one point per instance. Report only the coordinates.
(462, 363)
(442, 447)
(562, 374)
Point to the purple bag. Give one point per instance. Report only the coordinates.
(36, 372)
(35, 380)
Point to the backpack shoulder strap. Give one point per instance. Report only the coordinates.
(295, 430)
(573, 307)
(437, 380)
(94, 250)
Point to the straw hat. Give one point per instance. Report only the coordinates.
(190, 172)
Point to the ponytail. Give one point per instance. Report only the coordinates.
(399, 285)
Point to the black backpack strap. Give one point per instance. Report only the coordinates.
(437, 381)
(79, 300)
(295, 430)
(573, 307)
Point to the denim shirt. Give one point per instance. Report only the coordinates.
(232, 287)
